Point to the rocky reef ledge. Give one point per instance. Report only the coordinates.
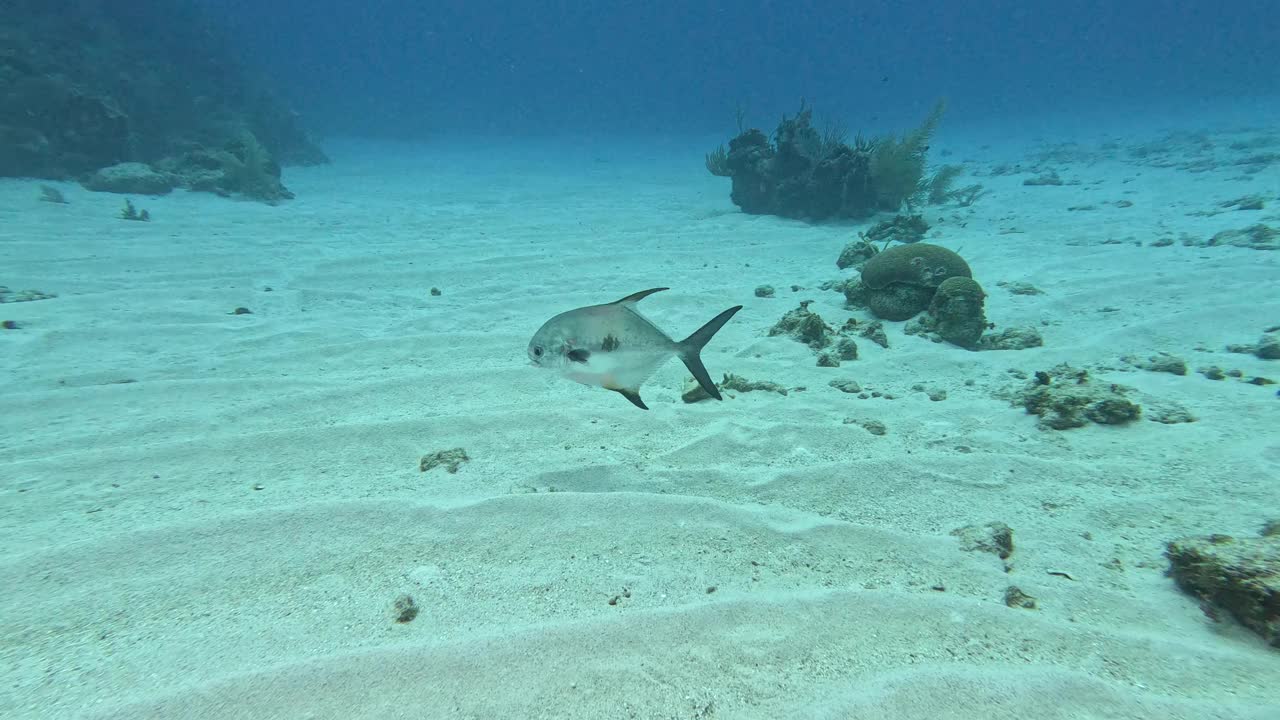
(140, 97)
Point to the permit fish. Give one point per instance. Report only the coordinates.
(613, 346)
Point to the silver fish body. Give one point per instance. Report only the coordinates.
(615, 347)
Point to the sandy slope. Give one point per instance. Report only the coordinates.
(211, 515)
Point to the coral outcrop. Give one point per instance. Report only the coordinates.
(900, 282)
(145, 84)
(810, 175)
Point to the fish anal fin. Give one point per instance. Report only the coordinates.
(632, 395)
(637, 297)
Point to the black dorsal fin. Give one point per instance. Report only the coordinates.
(633, 396)
(637, 297)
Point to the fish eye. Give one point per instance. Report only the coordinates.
(537, 351)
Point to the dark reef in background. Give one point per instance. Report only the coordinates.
(808, 175)
(89, 84)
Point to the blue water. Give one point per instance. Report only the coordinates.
(213, 501)
(414, 69)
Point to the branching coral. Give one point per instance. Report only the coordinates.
(897, 163)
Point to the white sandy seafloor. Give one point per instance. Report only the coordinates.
(210, 515)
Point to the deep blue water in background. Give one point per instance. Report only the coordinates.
(410, 69)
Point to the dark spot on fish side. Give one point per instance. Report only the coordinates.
(579, 355)
(610, 343)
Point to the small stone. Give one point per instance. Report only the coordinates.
(51, 194)
(1113, 411)
(1049, 178)
(875, 333)
(993, 537)
(855, 253)
(828, 359)
(848, 386)
(242, 311)
(693, 391)
(404, 609)
(765, 291)
(905, 229)
(435, 292)
(13, 296)
(1248, 202)
(1019, 338)
(1268, 348)
(1257, 237)
(1213, 372)
(805, 326)
(1168, 412)
(875, 427)
(1021, 288)
(451, 460)
(847, 349)
(1161, 362)
(741, 384)
(1014, 597)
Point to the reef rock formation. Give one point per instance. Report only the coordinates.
(140, 82)
(1065, 397)
(900, 282)
(1238, 575)
(956, 313)
(808, 175)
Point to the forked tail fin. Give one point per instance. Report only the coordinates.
(691, 347)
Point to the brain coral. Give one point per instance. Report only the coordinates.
(919, 264)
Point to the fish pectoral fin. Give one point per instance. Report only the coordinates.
(632, 395)
(579, 355)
